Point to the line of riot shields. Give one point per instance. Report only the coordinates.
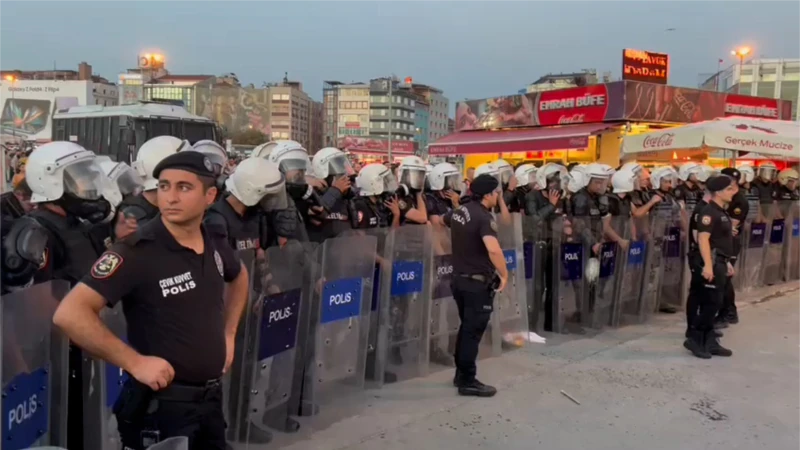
(374, 307)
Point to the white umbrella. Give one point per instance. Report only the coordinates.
(779, 139)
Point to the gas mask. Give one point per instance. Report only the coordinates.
(93, 211)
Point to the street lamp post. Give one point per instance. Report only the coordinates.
(740, 53)
(12, 79)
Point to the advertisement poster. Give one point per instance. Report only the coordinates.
(641, 65)
(376, 146)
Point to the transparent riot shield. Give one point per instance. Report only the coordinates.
(404, 302)
(753, 251)
(612, 257)
(282, 291)
(792, 253)
(236, 382)
(443, 311)
(508, 327)
(534, 251)
(571, 283)
(773, 250)
(340, 311)
(629, 307)
(381, 275)
(660, 231)
(34, 368)
(102, 384)
(675, 244)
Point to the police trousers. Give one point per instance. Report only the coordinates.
(705, 297)
(474, 300)
(145, 417)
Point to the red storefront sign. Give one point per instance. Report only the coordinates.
(352, 124)
(375, 146)
(742, 105)
(570, 106)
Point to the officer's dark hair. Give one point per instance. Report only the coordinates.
(571, 166)
(207, 182)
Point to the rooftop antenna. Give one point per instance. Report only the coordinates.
(285, 77)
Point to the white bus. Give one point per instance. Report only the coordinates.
(119, 131)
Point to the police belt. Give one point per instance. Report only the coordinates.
(720, 258)
(477, 277)
(179, 391)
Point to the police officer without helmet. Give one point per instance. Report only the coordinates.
(181, 319)
(478, 269)
(738, 209)
(709, 278)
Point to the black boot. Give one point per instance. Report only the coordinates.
(457, 378)
(732, 318)
(476, 388)
(713, 346)
(695, 344)
(720, 323)
(667, 309)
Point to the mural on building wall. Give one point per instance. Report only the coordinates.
(235, 108)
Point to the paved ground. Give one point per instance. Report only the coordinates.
(637, 388)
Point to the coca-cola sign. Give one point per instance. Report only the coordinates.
(658, 141)
(571, 106)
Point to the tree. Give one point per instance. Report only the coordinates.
(249, 137)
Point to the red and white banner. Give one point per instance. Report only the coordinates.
(777, 138)
(375, 146)
(570, 106)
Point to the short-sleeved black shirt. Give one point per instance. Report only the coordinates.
(365, 214)
(714, 219)
(171, 296)
(739, 208)
(468, 225)
(436, 205)
(693, 247)
(619, 206)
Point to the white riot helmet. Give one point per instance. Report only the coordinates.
(263, 150)
(411, 172)
(331, 162)
(292, 160)
(122, 175)
(665, 173)
(214, 152)
(600, 174)
(151, 153)
(707, 172)
(375, 179)
(65, 170)
(688, 169)
(525, 175)
(549, 174)
(624, 180)
(504, 170)
(257, 181)
(489, 169)
(767, 171)
(748, 174)
(577, 179)
(446, 176)
(634, 167)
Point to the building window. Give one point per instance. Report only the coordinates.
(766, 89)
(276, 96)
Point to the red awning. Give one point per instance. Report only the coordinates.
(528, 140)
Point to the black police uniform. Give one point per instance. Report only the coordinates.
(174, 310)
(436, 205)
(515, 201)
(335, 217)
(694, 258)
(767, 194)
(738, 209)
(619, 206)
(473, 275)
(364, 213)
(689, 194)
(593, 206)
(19, 262)
(705, 296)
(137, 207)
(543, 213)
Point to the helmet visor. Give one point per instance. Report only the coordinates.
(454, 182)
(767, 172)
(294, 169)
(505, 175)
(275, 201)
(339, 166)
(86, 180)
(389, 182)
(413, 178)
(128, 181)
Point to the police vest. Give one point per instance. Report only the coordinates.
(244, 232)
(75, 251)
(137, 206)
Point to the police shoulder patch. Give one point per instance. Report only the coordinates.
(402, 204)
(706, 220)
(493, 224)
(737, 210)
(218, 262)
(106, 265)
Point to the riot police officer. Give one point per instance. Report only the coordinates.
(623, 183)
(689, 191)
(411, 175)
(446, 186)
(508, 182)
(181, 316)
(764, 185)
(290, 223)
(544, 205)
(72, 195)
(129, 184)
(525, 176)
(479, 270)
(332, 166)
(376, 205)
(219, 161)
(143, 207)
(591, 202)
(264, 150)
(667, 209)
(712, 271)
(787, 186)
(21, 250)
(738, 210)
(254, 189)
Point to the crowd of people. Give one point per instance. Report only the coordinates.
(115, 232)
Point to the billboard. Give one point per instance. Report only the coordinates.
(237, 108)
(375, 146)
(641, 65)
(609, 102)
(28, 106)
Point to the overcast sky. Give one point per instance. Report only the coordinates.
(468, 49)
